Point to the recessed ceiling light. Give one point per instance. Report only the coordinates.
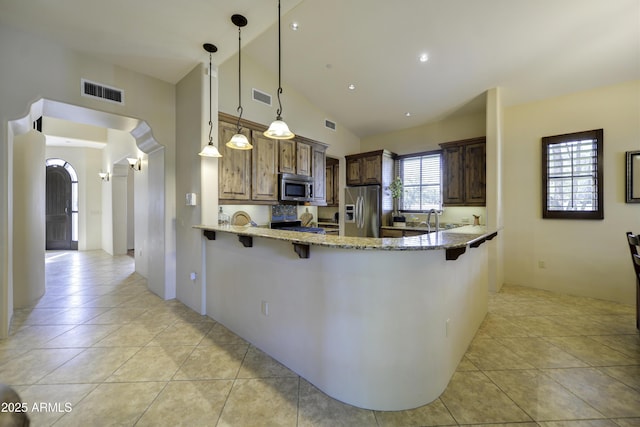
(407, 114)
(294, 26)
(352, 86)
(424, 57)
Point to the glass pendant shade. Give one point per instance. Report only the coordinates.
(279, 130)
(210, 150)
(239, 142)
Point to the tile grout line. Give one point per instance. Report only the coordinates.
(233, 384)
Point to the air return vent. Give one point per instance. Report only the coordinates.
(100, 91)
(262, 97)
(329, 124)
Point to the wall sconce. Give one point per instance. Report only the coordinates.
(104, 176)
(135, 164)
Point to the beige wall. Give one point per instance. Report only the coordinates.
(581, 257)
(189, 101)
(428, 136)
(29, 218)
(302, 117)
(25, 80)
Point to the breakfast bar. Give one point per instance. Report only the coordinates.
(378, 323)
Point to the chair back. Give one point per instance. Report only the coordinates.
(634, 244)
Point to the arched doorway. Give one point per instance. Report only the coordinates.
(161, 278)
(61, 206)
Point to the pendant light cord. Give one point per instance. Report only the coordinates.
(210, 95)
(239, 109)
(279, 111)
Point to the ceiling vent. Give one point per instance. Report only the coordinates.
(103, 92)
(329, 124)
(260, 96)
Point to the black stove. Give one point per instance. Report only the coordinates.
(295, 225)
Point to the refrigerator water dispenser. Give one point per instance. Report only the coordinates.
(349, 213)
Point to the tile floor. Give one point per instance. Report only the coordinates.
(99, 349)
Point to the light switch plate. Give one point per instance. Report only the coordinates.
(191, 199)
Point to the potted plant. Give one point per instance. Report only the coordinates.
(396, 192)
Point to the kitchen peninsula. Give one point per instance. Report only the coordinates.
(378, 323)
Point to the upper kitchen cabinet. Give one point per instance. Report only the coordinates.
(234, 167)
(369, 168)
(264, 173)
(253, 175)
(287, 156)
(318, 170)
(303, 158)
(332, 182)
(464, 172)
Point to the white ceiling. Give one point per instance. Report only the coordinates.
(533, 49)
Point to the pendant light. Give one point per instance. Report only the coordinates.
(210, 150)
(278, 128)
(239, 141)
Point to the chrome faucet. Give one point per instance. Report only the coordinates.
(433, 211)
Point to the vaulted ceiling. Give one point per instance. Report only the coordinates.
(533, 49)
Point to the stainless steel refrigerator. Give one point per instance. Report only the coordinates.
(362, 211)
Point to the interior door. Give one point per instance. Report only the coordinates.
(58, 209)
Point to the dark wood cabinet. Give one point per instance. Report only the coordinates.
(475, 188)
(303, 159)
(318, 170)
(373, 168)
(234, 167)
(264, 168)
(252, 175)
(287, 156)
(332, 182)
(464, 172)
(368, 168)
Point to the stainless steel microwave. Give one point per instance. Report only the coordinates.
(296, 188)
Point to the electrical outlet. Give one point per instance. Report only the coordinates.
(193, 276)
(541, 264)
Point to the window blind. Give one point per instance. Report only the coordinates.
(572, 175)
(572, 171)
(420, 176)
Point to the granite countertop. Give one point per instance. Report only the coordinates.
(443, 227)
(448, 239)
